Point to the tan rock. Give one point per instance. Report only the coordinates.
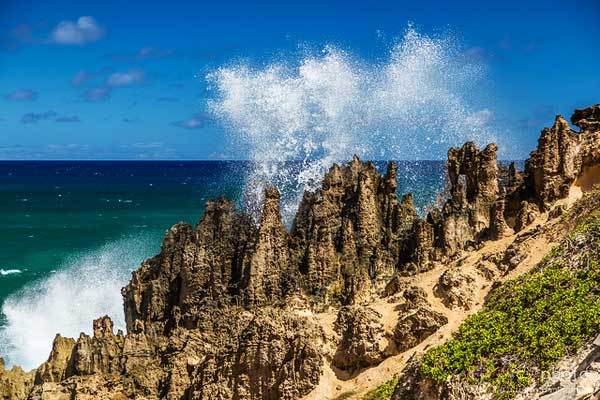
(15, 384)
(455, 289)
(362, 341)
(58, 366)
(417, 320)
(527, 214)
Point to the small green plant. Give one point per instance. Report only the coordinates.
(383, 391)
(530, 322)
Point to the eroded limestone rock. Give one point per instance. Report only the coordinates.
(58, 366)
(352, 230)
(417, 320)
(362, 338)
(527, 214)
(552, 168)
(455, 289)
(15, 384)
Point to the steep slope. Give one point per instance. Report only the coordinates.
(527, 324)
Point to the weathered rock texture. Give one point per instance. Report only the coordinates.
(14, 383)
(224, 311)
(363, 343)
(352, 230)
(562, 156)
(554, 165)
(417, 320)
(455, 289)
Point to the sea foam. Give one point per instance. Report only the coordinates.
(325, 107)
(88, 286)
(4, 272)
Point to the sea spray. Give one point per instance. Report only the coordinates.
(326, 107)
(67, 301)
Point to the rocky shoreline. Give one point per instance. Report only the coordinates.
(234, 310)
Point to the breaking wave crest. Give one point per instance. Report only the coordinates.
(66, 302)
(4, 272)
(326, 107)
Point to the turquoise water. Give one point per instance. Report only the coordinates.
(51, 210)
(71, 233)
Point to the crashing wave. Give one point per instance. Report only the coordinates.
(87, 285)
(323, 108)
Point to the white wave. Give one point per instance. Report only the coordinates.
(86, 287)
(5, 272)
(325, 107)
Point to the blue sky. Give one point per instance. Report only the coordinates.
(125, 79)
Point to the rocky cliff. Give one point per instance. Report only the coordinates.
(234, 310)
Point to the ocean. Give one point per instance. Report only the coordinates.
(71, 232)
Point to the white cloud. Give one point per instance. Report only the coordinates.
(21, 94)
(129, 78)
(99, 93)
(194, 122)
(84, 30)
(81, 77)
(34, 118)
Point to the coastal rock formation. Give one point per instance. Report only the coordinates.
(363, 342)
(14, 383)
(527, 213)
(417, 320)
(231, 309)
(552, 168)
(565, 162)
(455, 289)
(267, 274)
(472, 210)
(588, 119)
(468, 211)
(498, 226)
(352, 230)
(269, 355)
(563, 156)
(199, 321)
(235, 354)
(57, 367)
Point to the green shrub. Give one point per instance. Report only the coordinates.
(528, 323)
(383, 391)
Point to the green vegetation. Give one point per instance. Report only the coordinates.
(383, 391)
(528, 323)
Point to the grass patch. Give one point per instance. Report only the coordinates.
(383, 391)
(528, 323)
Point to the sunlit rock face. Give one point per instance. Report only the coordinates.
(554, 165)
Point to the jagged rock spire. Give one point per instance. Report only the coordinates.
(554, 165)
(266, 274)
